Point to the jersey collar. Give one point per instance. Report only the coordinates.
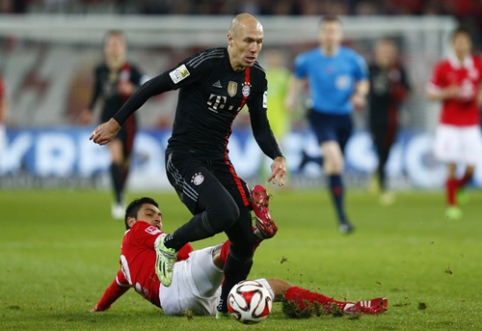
(454, 61)
(333, 55)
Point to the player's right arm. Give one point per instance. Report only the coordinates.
(3, 101)
(296, 85)
(116, 289)
(187, 72)
(437, 89)
(297, 82)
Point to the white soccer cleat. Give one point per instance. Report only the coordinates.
(118, 211)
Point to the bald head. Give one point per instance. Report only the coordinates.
(245, 39)
(244, 21)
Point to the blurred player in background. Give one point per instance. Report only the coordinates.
(456, 82)
(338, 82)
(278, 78)
(389, 87)
(214, 84)
(115, 81)
(198, 274)
(3, 113)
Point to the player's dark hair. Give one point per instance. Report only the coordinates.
(329, 19)
(461, 30)
(134, 206)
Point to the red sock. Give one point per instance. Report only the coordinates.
(225, 251)
(302, 297)
(451, 187)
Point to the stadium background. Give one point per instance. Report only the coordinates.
(48, 50)
(59, 248)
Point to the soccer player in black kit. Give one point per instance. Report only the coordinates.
(390, 87)
(115, 81)
(214, 86)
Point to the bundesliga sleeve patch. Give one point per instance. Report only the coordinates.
(265, 99)
(179, 74)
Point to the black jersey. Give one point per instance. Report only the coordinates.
(211, 95)
(106, 87)
(388, 88)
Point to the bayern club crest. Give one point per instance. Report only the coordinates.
(197, 179)
(246, 90)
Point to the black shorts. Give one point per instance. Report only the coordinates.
(331, 127)
(191, 176)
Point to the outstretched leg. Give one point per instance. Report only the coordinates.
(305, 299)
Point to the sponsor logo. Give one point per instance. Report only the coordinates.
(152, 230)
(179, 74)
(343, 82)
(218, 84)
(246, 90)
(197, 179)
(232, 89)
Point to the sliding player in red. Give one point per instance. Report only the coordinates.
(198, 274)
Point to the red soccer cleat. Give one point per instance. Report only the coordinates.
(372, 307)
(266, 227)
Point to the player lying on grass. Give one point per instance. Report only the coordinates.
(198, 274)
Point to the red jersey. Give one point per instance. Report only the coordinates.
(137, 260)
(463, 110)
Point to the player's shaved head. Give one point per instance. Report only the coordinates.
(245, 39)
(242, 21)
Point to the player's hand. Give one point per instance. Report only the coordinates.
(453, 91)
(105, 133)
(126, 88)
(290, 103)
(278, 171)
(85, 117)
(359, 101)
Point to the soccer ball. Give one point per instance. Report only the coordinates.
(249, 302)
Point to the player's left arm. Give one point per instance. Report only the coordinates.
(265, 138)
(479, 96)
(401, 89)
(3, 102)
(479, 92)
(116, 289)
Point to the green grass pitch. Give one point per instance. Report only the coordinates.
(59, 251)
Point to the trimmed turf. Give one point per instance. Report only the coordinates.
(59, 251)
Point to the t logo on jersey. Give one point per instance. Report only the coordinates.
(217, 102)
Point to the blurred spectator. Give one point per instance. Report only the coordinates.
(252, 7)
(366, 8)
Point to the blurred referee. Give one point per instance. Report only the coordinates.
(338, 81)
